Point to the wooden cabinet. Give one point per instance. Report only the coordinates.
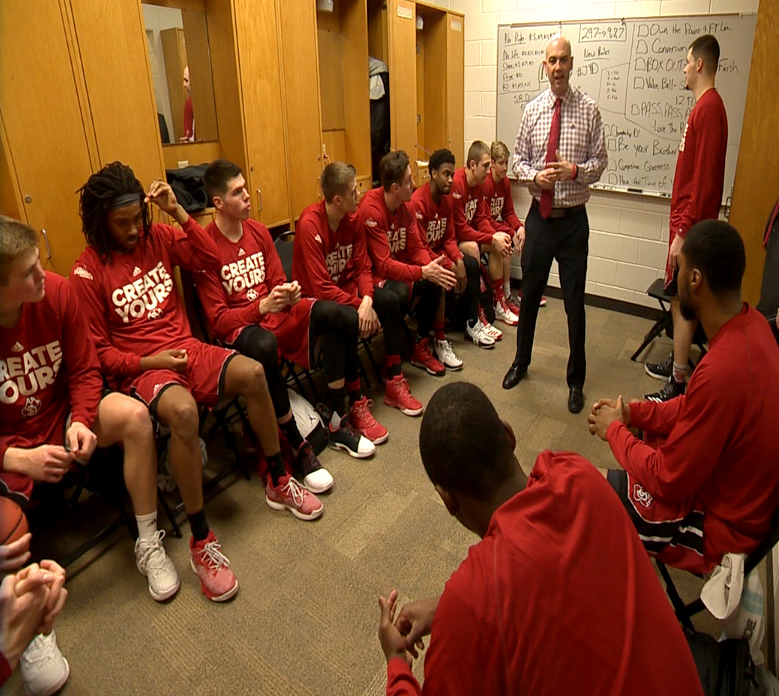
(455, 85)
(247, 87)
(71, 99)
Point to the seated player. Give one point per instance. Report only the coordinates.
(433, 207)
(558, 597)
(500, 207)
(124, 279)
(251, 307)
(52, 410)
(475, 233)
(331, 263)
(401, 263)
(31, 599)
(704, 481)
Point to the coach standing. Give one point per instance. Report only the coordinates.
(560, 150)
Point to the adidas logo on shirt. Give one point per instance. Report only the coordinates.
(136, 271)
(17, 347)
(241, 252)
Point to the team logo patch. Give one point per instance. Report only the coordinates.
(154, 313)
(241, 252)
(318, 238)
(457, 194)
(641, 496)
(419, 215)
(17, 347)
(251, 295)
(136, 271)
(371, 223)
(31, 407)
(156, 389)
(82, 272)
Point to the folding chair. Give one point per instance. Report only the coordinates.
(685, 612)
(664, 322)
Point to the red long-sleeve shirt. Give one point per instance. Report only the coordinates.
(131, 302)
(500, 204)
(47, 368)
(332, 265)
(559, 597)
(700, 165)
(436, 225)
(719, 451)
(471, 219)
(249, 269)
(394, 243)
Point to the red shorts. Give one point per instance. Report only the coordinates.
(291, 329)
(203, 378)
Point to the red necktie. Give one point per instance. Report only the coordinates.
(547, 196)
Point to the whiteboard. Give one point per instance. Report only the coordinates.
(633, 69)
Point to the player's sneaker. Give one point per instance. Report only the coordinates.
(397, 395)
(290, 495)
(422, 358)
(478, 335)
(671, 390)
(662, 370)
(43, 667)
(504, 314)
(512, 305)
(444, 352)
(310, 470)
(153, 562)
(345, 436)
(363, 422)
(494, 333)
(217, 581)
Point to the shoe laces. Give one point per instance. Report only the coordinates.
(40, 648)
(152, 552)
(363, 411)
(423, 352)
(295, 491)
(211, 555)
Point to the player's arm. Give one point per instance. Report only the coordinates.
(362, 262)
(381, 257)
(222, 319)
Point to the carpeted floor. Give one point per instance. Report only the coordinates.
(305, 618)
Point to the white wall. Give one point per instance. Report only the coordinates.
(628, 233)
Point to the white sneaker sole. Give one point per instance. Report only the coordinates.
(52, 688)
(406, 411)
(351, 452)
(166, 594)
(317, 489)
(216, 598)
(316, 514)
(477, 341)
(424, 367)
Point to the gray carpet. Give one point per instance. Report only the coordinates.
(305, 618)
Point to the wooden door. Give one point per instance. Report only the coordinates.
(174, 52)
(260, 85)
(757, 173)
(44, 138)
(298, 37)
(401, 22)
(112, 43)
(455, 86)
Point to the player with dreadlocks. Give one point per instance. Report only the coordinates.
(146, 348)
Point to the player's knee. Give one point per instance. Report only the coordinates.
(266, 347)
(137, 426)
(184, 419)
(470, 248)
(257, 381)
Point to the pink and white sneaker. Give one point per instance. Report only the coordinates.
(494, 333)
(217, 581)
(290, 495)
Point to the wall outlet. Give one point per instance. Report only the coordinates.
(183, 163)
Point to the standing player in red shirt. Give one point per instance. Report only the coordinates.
(476, 233)
(138, 323)
(331, 263)
(500, 207)
(433, 207)
(557, 597)
(401, 262)
(251, 307)
(52, 410)
(696, 196)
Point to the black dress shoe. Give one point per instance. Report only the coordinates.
(513, 376)
(575, 400)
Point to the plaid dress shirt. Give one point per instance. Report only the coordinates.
(581, 142)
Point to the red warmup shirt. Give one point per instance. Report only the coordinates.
(47, 369)
(719, 453)
(394, 244)
(471, 220)
(331, 265)
(249, 269)
(558, 598)
(436, 225)
(131, 301)
(500, 204)
(700, 167)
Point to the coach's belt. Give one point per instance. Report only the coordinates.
(565, 212)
